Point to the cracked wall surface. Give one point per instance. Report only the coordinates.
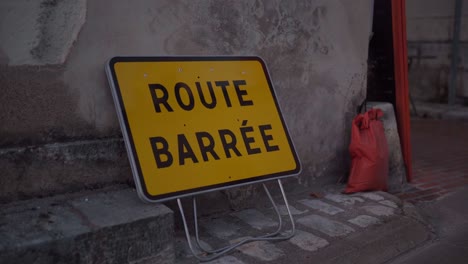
(55, 88)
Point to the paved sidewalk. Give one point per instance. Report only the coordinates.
(362, 228)
(449, 218)
(440, 159)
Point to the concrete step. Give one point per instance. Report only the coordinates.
(109, 226)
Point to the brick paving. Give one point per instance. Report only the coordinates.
(440, 159)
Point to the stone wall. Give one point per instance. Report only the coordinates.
(59, 131)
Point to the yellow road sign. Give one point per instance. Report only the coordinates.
(197, 124)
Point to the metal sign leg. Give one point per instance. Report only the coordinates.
(207, 254)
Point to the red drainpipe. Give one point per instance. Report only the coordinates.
(401, 81)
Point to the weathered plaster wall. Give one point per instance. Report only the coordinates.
(316, 52)
(429, 32)
(39, 32)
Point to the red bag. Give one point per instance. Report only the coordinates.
(369, 154)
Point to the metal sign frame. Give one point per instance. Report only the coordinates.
(204, 254)
(130, 145)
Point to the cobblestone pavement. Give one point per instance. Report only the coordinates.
(440, 159)
(335, 228)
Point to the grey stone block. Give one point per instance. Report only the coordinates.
(255, 219)
(389, 203)
(308, 241)
(344, 199)
(321, 206)
(327, 226)
(397, 172)
(113, 227)
(220, 228)
(379, 210)
(62, 167)
(371, 196)
(283, 210)
(260, 250)
(364, 221)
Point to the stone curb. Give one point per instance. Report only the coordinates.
(105, 227)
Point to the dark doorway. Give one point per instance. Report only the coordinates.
(381, 75)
